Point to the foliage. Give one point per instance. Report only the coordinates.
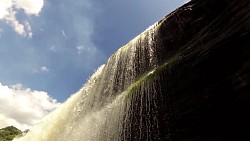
(9, 133)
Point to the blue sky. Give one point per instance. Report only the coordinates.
(53, 46)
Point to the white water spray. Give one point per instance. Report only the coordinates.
(101, 110)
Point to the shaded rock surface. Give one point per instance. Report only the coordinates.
(200, 90)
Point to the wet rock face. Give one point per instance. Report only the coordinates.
(211, 96)
(211, 83)
(204, 94)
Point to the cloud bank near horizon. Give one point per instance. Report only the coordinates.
(23, 107)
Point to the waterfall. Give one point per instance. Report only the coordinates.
(81, 117)
(102, 110)
(169, 83)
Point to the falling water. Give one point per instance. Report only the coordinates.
(118, 103)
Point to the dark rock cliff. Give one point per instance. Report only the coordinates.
(200, 90)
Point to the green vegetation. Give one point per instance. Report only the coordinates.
(9, 133)
(152, 75)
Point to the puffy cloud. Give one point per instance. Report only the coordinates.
(23, 107)
(9, 8)
(5, 6)
(31, 7)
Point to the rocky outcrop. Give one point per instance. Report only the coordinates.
(199, 90)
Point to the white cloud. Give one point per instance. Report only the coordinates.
(23, 107)
(79, 49)
(30, 7)
(63, 33)
(28, 29)
(86, 49)
(53, 48)
(18, 27)
(44, 69)
(41, 69)
(5, 6)
(9, 8)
